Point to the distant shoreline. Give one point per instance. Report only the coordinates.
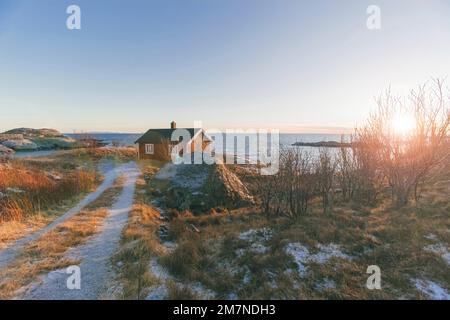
(325, 144)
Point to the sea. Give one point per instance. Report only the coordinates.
(128, 139)
(286, 139)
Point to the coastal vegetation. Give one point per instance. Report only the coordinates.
(35, 191)
(49, 251)
(313, 229)
(310, 231)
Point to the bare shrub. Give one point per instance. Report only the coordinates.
(297, 175)
(365, 179)
(87, 140)
(406, 158)
(346, 175)
(289, 191)
(325, 170)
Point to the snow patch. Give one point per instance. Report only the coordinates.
(439, 249)
(431, 236)
(167, 172)
(256, 238)
(302, 256)
(325, 284)
(256, 234)
(431, 289)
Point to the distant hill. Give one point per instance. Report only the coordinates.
(28, 139)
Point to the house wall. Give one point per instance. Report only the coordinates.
(161, 152)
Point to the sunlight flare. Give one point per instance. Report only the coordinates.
(403, 124)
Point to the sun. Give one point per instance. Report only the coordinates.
(403, 124)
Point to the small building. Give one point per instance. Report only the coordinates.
(157, 144)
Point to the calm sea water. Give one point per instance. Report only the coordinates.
(128, 139)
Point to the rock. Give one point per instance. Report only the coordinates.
(14, 190)
(29, 132)
(198, 188)
(36, 139)
(5, 151)
(226, 189)
(20, 145)
(194, 228)
(48, 143)
(54, 176)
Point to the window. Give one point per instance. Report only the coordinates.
(149, 148)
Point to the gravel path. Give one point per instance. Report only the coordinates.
(96, 272)
(8, 254)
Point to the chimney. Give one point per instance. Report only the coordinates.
(173, 125)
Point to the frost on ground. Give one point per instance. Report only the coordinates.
(257, 239)
(325, 284)
(431, 289)
(302, 256)
(187, 176)
(431, 236)
(439, 249)
(167, 172)
(160, 291)
(256, 234)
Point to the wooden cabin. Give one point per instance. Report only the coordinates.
(157, 144)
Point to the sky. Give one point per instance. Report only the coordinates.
(292, 65)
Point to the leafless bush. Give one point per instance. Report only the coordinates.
(406, 157)
(87, 140)
(358, 172)
(347, 177)
(289, 191)
(325, 171)
(297, 180)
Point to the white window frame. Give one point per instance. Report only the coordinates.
(149, 148)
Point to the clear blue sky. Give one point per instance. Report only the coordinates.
(137, 64)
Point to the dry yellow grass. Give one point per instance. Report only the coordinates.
(26, 191)
(390, 237)
(48, 252)
(12, 230)
(139, 244)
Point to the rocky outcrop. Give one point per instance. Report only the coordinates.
(20, 145)
(5, 152)
(29, 132)
(27, 139)
(226, 189)
(200, 188)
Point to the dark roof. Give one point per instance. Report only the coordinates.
(158, 135)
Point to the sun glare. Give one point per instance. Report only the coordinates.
(403, 124)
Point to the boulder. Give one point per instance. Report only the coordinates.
(5, 152)
(224, 188)
(20, 145)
